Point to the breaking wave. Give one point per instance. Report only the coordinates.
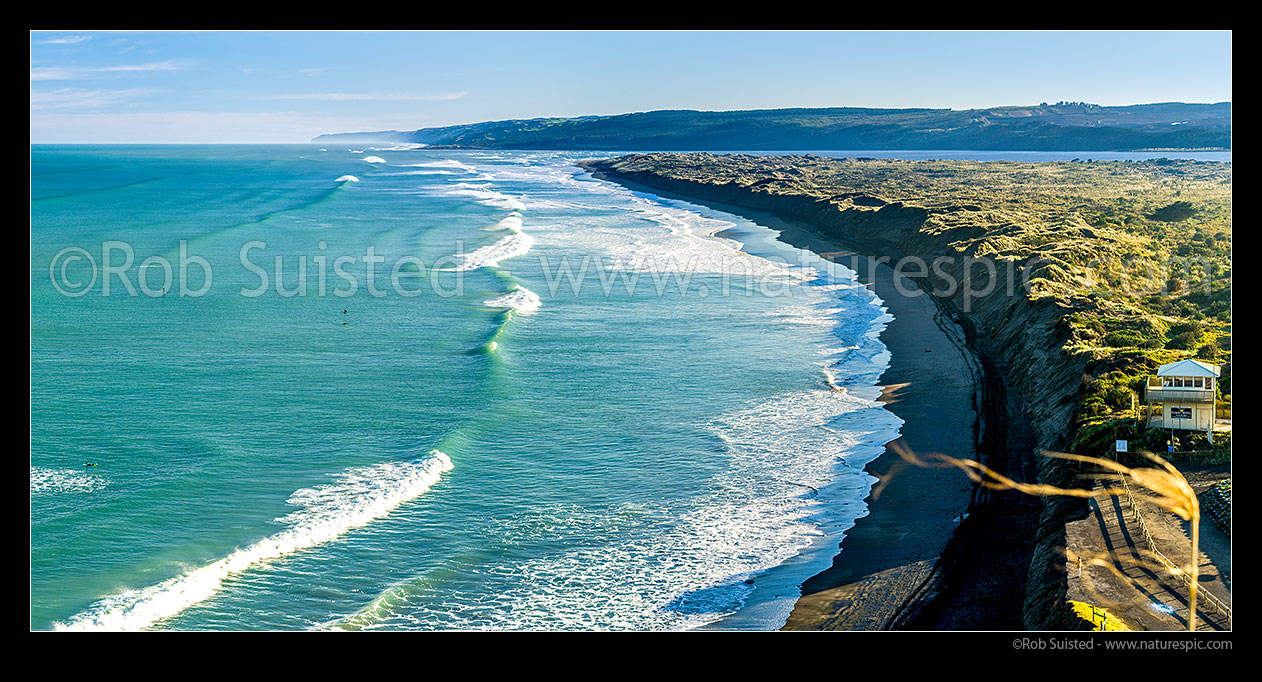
(400, 147)
(516, 244)
(445, 163)
(357, 497)
(520, 299)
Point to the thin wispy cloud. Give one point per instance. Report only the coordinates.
(69, 73)
(370, 96)
(211, 127)
(66, 40)
(152, 66)
(66, 99)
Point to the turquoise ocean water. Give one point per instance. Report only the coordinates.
(554, 403)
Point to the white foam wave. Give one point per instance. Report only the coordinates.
(512, 223)
(45, 481)
(794, 479)
(373, 159)
(357, 497)
(445, 163)
(486, 196)
(400, 147)
(516, 244)
(520, 299)
(347, 178)
(424, 171)
(665, 239)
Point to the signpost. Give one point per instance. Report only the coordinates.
(1121, 446)
(1177, 414)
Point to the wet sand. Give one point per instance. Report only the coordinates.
(932, 384)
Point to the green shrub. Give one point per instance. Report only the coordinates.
(1118, 397)
(1175, 212)
(1123, 338)
(1185, 335)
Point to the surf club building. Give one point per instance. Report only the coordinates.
(1183, 396)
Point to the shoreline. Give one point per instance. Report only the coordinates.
(933, 383)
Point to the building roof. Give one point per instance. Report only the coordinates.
(1188, 368)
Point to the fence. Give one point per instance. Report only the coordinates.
(1099, 617)
(1184, 577)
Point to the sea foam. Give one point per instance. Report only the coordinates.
(486, 196)
(45, 480)
(794, 479)
(400, 147)
(520, 299)
(356, 497)
(445, 163)
(373, 159)
(516, 244)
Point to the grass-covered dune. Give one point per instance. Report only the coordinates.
(1134, 257)
(1077, 279)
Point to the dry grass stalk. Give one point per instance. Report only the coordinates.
(1172, 491)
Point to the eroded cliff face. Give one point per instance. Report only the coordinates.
(1023, 335)
(1026, 334)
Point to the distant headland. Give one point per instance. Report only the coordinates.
(1062, 126)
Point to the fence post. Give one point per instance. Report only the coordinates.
(1184, 577)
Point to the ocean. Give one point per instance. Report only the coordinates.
(302, 387)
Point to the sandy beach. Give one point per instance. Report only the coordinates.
(932, 384)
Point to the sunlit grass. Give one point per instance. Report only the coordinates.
(1101, 619)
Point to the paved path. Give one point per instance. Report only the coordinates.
(1147, 599)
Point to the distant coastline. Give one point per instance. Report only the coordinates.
(1064, 126)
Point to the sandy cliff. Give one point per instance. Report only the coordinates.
(1009, 548)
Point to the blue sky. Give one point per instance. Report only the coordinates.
(196, 87)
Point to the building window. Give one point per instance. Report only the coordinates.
(1198, 382)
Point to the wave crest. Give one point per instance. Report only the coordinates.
(357, 497)
(520, 299)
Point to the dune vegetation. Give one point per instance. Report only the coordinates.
(1134, 256)
(1077, 280)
